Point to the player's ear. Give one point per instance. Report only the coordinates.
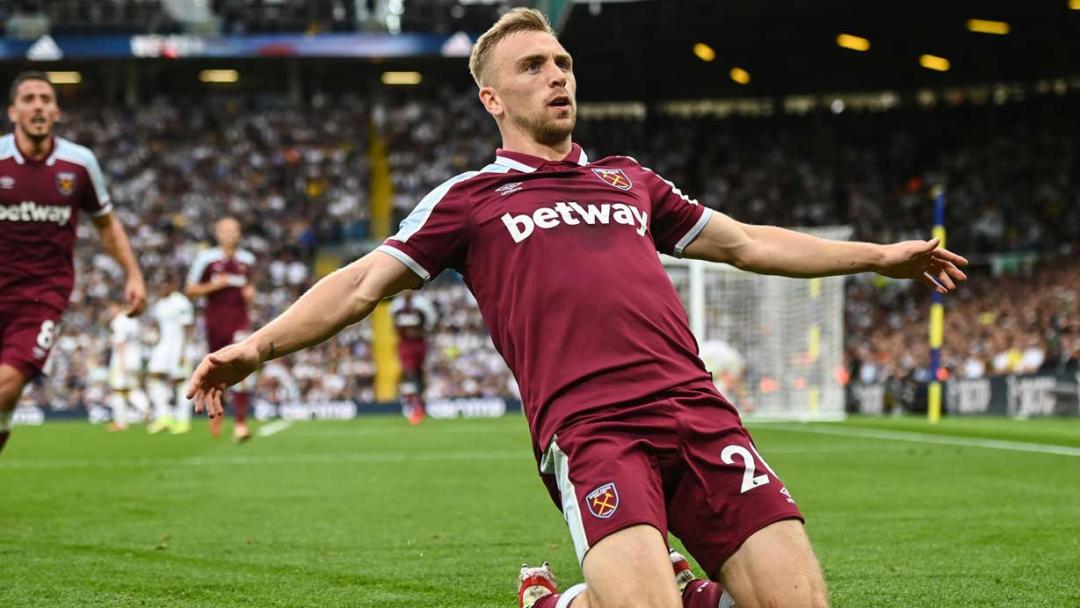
(491, 100)
(11, 113)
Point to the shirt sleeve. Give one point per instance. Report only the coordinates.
(677, 219)
(96, 200)
(198, 267)
(435, 235)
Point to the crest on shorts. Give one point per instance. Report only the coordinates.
(65, 182)
(603, 501)
(614, 177)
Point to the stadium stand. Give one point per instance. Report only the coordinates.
(298, 181)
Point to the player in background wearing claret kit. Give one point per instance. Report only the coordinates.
(46, 181)
(125, 369)
(414, 316)
(174, 316)
(223, 275)
(631, 436)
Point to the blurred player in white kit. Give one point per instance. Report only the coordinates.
(174, 315)
(125, 367)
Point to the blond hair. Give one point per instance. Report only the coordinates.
(517, 20)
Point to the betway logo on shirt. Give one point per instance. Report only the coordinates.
(29, 211)
(522, 226)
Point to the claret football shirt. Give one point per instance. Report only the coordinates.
(40, 203)
(562, 258)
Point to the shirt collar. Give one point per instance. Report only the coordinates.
(528, 163)
(50, 160)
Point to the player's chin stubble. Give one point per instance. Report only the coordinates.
(548, 133)
(36, 135)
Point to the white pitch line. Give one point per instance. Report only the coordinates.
(276, 426)
(954, 440)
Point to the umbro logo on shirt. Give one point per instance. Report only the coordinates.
(572, 213)
(508, 188)
(7, 182)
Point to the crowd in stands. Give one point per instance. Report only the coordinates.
(1022, 323)
(33, 18)
(297, 178)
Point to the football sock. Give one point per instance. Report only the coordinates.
(119, 409)
(159, 396)
(240, 402)
(705, 594)
(560, 600)
(183, 405)
(698, 594)
(139, 400)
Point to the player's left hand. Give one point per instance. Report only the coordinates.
(924, 261)
(134, 296)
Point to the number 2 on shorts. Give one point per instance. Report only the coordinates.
(749, 482)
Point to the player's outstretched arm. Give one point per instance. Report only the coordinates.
(340, 299)
(115, 242)
(778, 251)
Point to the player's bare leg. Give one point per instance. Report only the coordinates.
(241, 403)
(537, 589)
(776, 567)
(629, 568)
(12, 382)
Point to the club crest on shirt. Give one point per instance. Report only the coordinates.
(614, 177)
(603, 501)
(65, 182)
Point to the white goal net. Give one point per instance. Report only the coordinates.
(774, 344)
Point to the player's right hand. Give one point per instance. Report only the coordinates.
(218, 371)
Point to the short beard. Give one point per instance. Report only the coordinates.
(543, 132)
(37, 139)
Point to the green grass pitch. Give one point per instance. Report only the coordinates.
(375, 513)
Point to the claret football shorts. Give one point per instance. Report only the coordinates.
(27, 335)
(683, 463)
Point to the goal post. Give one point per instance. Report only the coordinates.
(774, 344)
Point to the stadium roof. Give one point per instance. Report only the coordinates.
(645, 50)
